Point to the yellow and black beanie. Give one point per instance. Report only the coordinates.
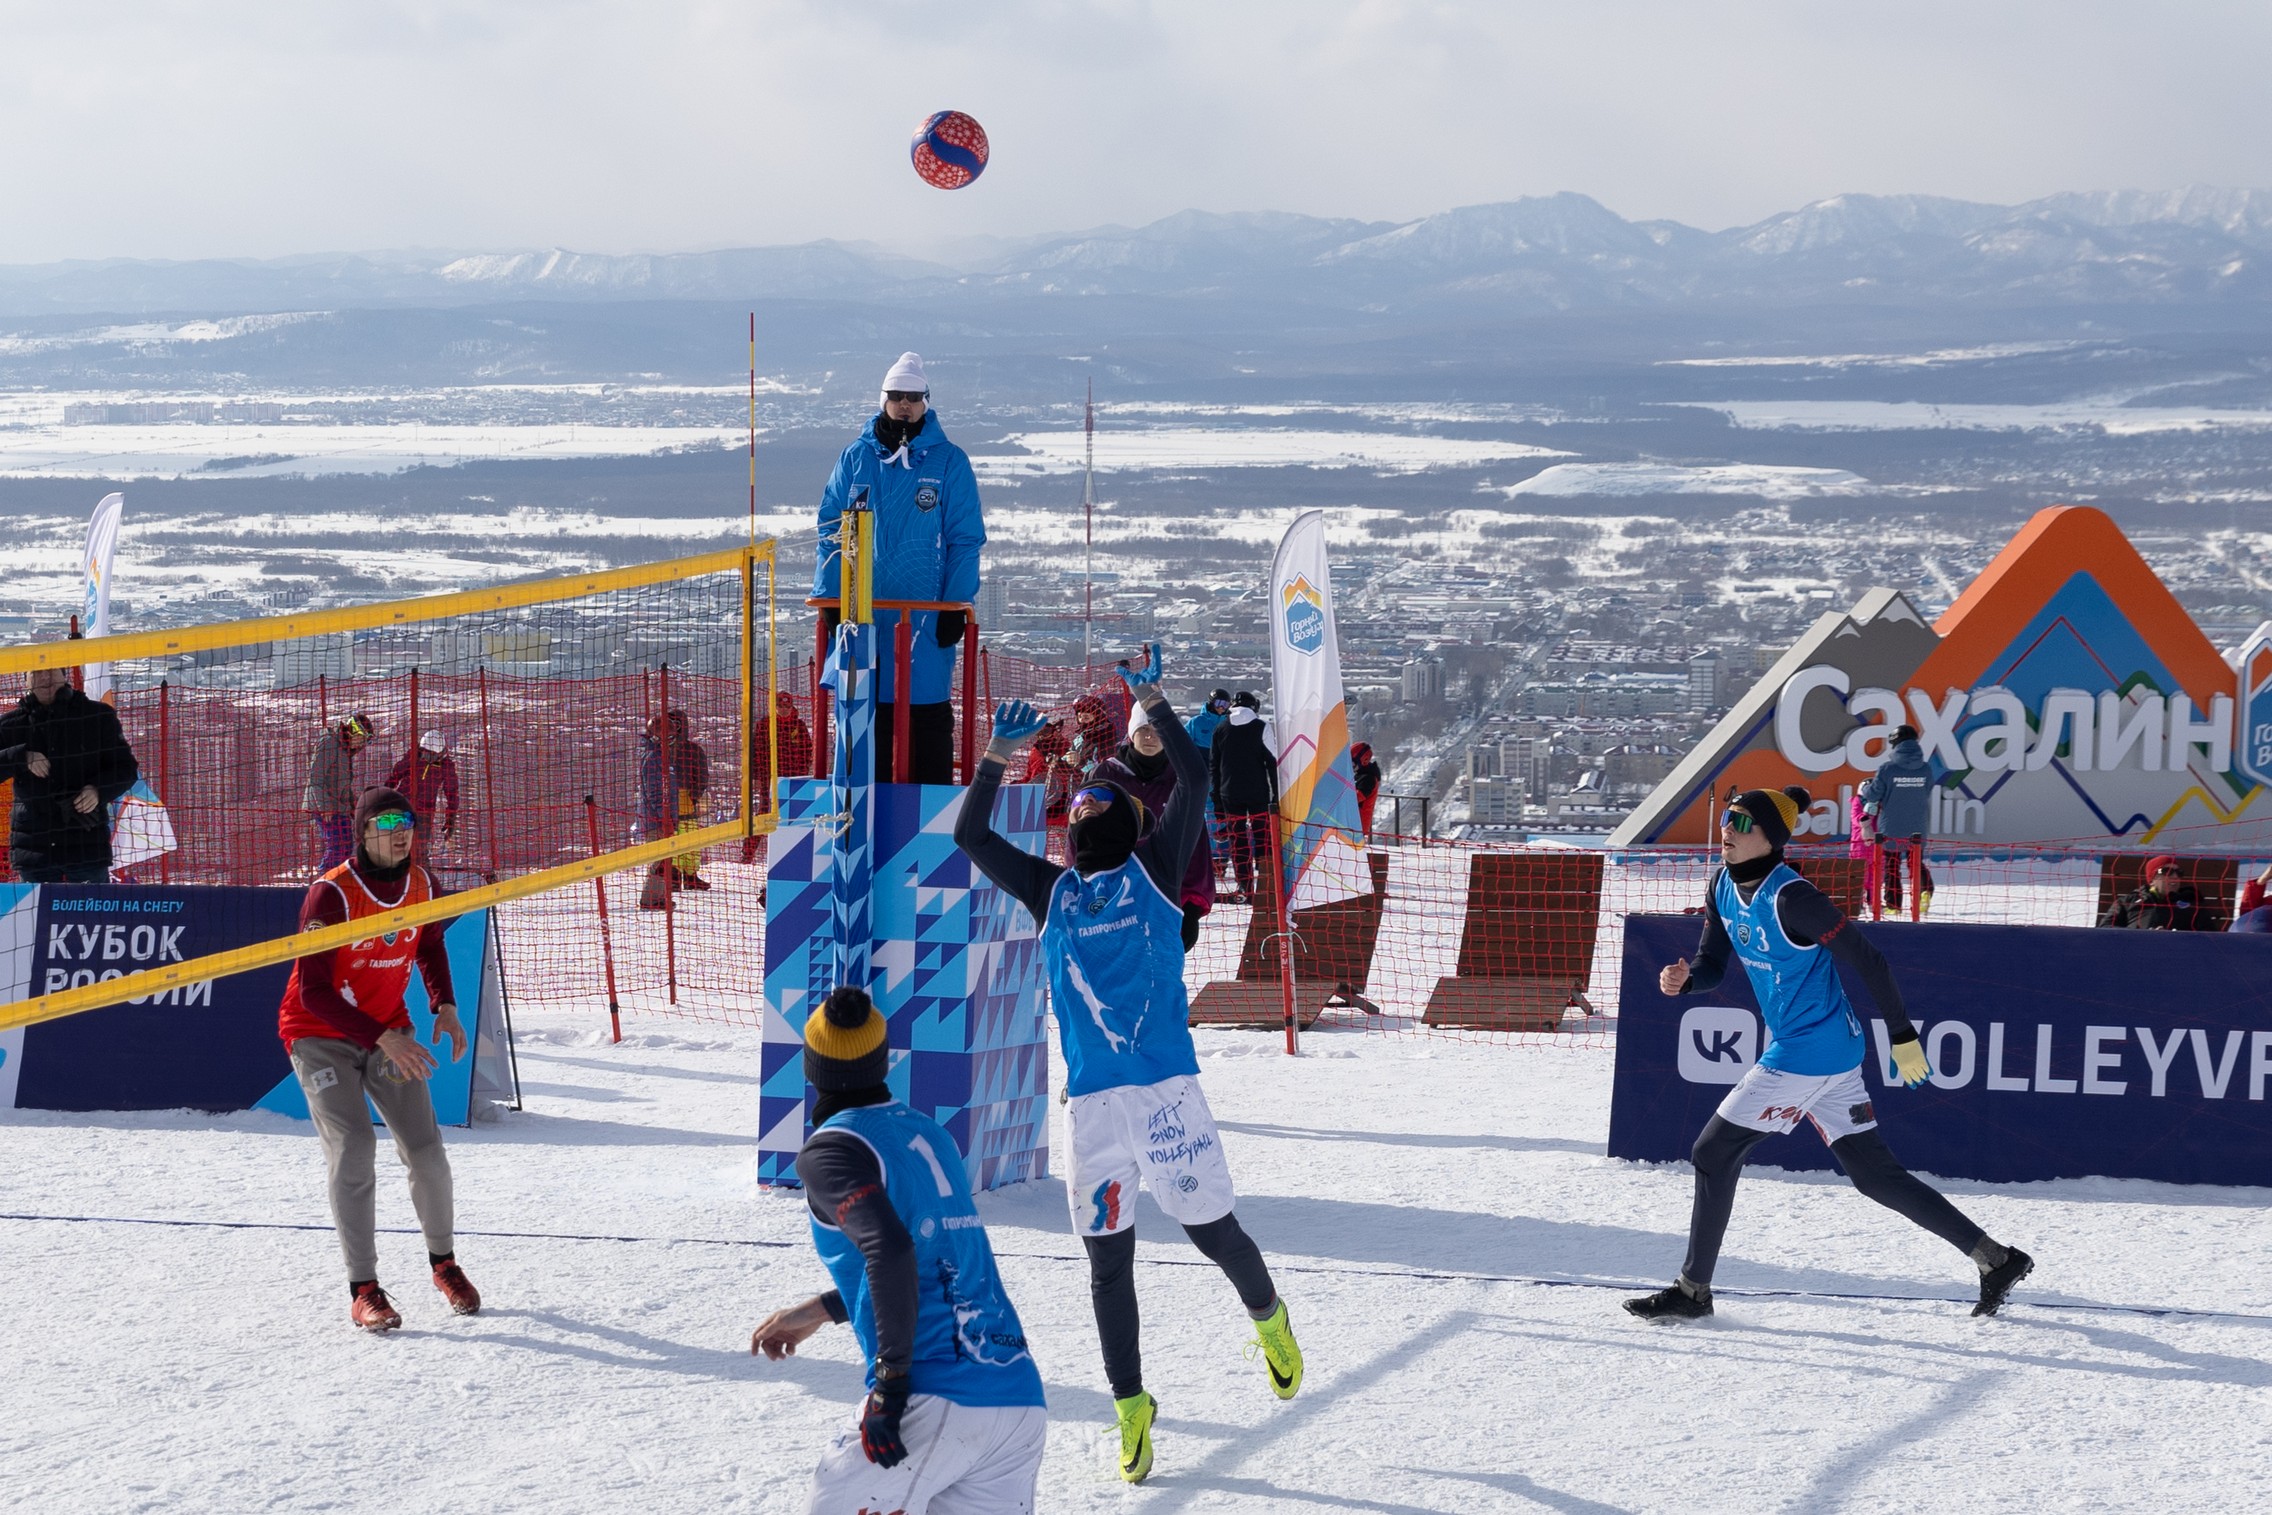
(1775, 811)
(845, 1046)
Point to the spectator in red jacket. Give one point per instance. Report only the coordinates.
(1366, 772)
(349, 1035)
(2251, 914)
(427, 776)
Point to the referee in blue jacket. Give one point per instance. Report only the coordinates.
(929, 533)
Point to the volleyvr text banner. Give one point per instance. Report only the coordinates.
(2058, 1052)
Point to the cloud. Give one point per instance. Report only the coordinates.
(265, 127)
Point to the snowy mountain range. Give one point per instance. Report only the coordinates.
(1552, 252)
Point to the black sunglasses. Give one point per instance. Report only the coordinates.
(904, 395)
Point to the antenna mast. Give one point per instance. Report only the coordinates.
(1089, 535)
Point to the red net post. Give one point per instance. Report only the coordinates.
(607, 941)
(1285, 928)
(902, 693)
(972, 715)
(165, 768)
(820, 700)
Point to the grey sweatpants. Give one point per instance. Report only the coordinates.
(336, 1076)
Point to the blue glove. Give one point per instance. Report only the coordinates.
(1147, 677)
(1015, 720)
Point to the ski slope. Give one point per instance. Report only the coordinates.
(1441, 1217)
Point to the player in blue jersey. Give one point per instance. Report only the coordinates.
(1112, 939)
(1789, 937)
(953, 1422)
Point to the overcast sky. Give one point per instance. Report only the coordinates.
(267, 127)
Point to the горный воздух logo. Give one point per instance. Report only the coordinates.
(1305, 615)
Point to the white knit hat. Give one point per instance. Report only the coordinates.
(1137, 719)
(906, 375)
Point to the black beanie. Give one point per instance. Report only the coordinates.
(1773, 811)
(845, 1044)
(378, 801)
(1105, 840)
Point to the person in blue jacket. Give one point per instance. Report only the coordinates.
(1790, 938)
(929, 532)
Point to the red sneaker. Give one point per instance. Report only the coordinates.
(371, 1310)
(464, 1298)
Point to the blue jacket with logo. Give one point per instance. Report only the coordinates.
(929, 530)
(1902, 791)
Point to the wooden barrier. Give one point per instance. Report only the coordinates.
(1526, 948)
(1333, 956)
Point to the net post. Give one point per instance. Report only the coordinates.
(489, 806)
(165, 768)
(772, 685)
(902, 694)
(607, 939)
(323, 700)
(970, 708)
(414, 714)
(749, 645)
(820, 697)
(1285, 927)
(669, 755)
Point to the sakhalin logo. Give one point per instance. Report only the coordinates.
(1305, 615)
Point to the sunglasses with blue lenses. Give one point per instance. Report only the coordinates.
(1096, 792)
(395, 820)
(1738, 821)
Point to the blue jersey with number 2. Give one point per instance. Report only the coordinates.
(1114, 946)
(969, 1345)
(1811, 1027)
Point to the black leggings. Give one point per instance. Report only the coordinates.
(1719, 1158)
(1112, 1290)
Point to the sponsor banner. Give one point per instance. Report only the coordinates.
(211, 1045)
(2057, 1052)
(1317, 789)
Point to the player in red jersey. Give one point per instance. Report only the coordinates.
(349, 1034)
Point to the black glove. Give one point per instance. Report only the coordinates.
(879, 1422)
(830, 618)
(1191, 915)
(950, 628)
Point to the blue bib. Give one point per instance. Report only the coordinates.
(1811, 1028)
(1114, 946)
(969, 1345)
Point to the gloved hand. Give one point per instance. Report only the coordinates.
(1909, 1062)
(949, 631)
(1015, 720)
(879, 1422)
(1145, 678)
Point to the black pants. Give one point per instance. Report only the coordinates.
(1893, 858)
(930, 742)
(1112, 1290)
(1250, 837)
(1719, 1158)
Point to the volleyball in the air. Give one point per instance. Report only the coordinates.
(949, 150)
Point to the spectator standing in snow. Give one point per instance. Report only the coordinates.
(1201, 729)
(68, 762)
(349, 1034)
(1141, 768)
(674, 775)
(796, 760)
(330, 797)
(1244, 774)
(2163, 903)
(1366, 774)
(929, 534)
(427, 776)
(1900, 797)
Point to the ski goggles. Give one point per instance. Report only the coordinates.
(1739, 821)
(1101, 793)
(394, 820)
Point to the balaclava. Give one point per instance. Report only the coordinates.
(1106, 839)
(377, 802)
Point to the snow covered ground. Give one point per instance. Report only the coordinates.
(1441, 1217)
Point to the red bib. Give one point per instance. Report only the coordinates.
(371, 973)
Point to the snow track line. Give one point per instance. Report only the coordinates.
(1402, 1275)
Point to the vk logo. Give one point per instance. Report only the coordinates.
(1718, 1044)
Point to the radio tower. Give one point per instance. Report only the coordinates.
(1089, 536)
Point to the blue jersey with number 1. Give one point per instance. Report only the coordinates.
(969, 1345)
(1811, 1027)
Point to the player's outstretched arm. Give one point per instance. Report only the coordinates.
(1015, 871)
(1808, 915)
(1167, 851)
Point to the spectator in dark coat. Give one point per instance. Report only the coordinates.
(1141, 768)
(1367, 775)
(674, 775)
(1244, 772)
(69, 762)
(2165, 903)
(329, 798)
(1899, 799)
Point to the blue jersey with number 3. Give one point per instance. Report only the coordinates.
(1114, 946)
(1811, 1026)
(969, 1345)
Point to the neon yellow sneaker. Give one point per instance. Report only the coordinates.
(1136, 1413)
(1280, 1352)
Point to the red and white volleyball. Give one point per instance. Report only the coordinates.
(949, 150)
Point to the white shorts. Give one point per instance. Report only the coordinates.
(1769, 1099)
(961, 1460)
(1161, 1136)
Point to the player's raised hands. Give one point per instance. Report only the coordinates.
(1147, 677)
(1015, 720)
